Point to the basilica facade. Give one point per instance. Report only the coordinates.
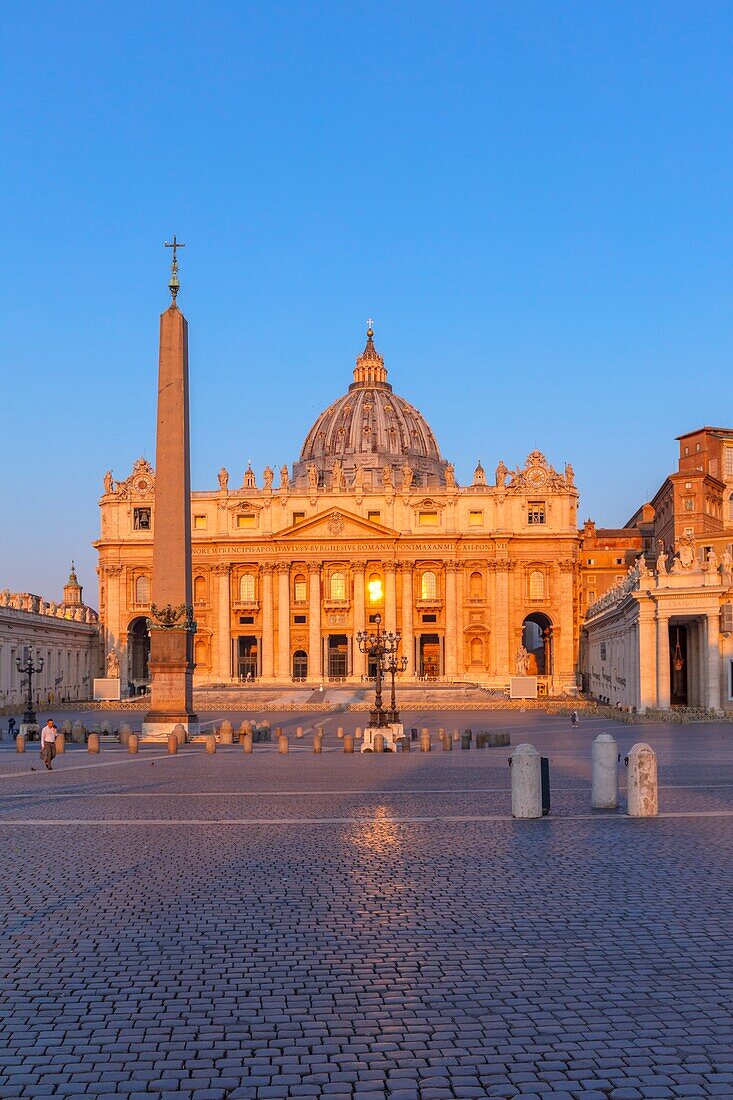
(369, 525)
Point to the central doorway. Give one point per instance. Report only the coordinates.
(430, 656)
(247, 657)
(338, 656)
(537, 640)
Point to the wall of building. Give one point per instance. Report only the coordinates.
(69, 648)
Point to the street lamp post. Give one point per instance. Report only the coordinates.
(379, 645)
(29, 670)
(394, 667)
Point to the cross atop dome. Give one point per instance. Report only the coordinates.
(370, 369)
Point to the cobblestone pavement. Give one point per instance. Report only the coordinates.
(366, 926)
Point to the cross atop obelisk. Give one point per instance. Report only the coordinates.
(174, 286)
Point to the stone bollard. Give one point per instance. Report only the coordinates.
(132, 743)
(526, 782)
(60, 743)
(299, 731)
(278, 732)
(441, 732)
(247, 741)
(340, 733)
(642, 794)
(20, 743)
(93, 743)
(78, 733)
(210, 743)
(456, 736)
(348, 742)
(466, 739)
(604, 765)
(283, 745)
(180, 733)
(425, 745)
(413, 733)
(172, 743)
(124, 734)
(358, 735)
(447, 743)
(318, 740)
(226, 733)
(378, 742)
(481, 739)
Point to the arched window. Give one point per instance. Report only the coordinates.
(536, 585)
(300, 590)
(475, 586)
(477, 652)
(338, 586)
(246, 587)
(199, 590)
(142, 590)
(428, 585)
(375, 589)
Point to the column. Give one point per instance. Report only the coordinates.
(359, 619)
(408, 628)
(451, 669)
(564, 670)
(222, 659)
(113, 616)
(502, 620)
(314, 623)
(268, 620)
(663, 674)
(283, 621)
(694, 695)
(712, 659)
(390, 596)
(647, 658)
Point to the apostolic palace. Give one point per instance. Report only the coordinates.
(368, 521)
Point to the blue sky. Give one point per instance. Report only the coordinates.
(532, 200)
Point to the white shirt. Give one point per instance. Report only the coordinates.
(48, 735)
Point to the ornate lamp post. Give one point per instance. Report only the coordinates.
(394, 668)
(29, 670)
(378, 646)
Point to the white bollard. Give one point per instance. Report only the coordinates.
(604, 766)
(526, 782)
(642, 796)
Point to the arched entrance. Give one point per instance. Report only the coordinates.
(300, 665)
(338, 656)
(138, 642)
(537, 640)
(247, 651)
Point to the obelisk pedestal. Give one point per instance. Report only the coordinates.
(171, 613)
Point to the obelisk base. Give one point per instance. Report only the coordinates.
(172, 685)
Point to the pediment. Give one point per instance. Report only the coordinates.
(337, 524)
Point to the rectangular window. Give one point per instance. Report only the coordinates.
(729, 461)
(199, 523)
(591, 597)
(591, 561)
(603, 651)
(373, 619)
(430, 618)
(428, 519)
(141, 519)
(300, 591)
(298, 517)
(299, 620)
(246, 619)
(374, 517)
(475, 519)
(246, 520)
(536, 511)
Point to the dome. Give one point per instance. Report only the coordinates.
(373, 428)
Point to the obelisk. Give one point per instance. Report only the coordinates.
(171, 610)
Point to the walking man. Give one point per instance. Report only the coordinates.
(48, 742)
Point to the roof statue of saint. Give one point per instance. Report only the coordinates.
(371, 428)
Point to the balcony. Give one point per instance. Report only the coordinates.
(337, 605)
(434, 603)
(246, 605)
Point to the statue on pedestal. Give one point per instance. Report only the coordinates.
(113, 665)
(522, 661)
(223, 479)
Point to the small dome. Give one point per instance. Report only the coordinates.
(371, 427)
